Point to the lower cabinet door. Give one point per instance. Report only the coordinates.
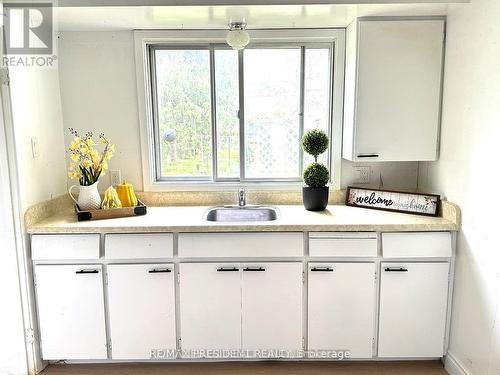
(141, 302)
(341, 308)
(70, 301)
(272, 307)
(413, 301)
(210, 307)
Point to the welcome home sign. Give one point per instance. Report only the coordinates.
(396, 201)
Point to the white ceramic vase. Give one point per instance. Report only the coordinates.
(88, 197)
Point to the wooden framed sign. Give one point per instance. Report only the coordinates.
(396, 201)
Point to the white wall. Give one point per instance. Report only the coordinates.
(98, 90)
(36, 111)
(468, 174)
(99, 93)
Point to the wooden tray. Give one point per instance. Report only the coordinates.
(111, 213)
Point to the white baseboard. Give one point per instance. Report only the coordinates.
(453, 366)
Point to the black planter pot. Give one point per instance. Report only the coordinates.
(315, 199)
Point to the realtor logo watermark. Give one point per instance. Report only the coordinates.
(165, 354)
(29, 35)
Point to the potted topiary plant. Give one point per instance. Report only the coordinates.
(316, 175)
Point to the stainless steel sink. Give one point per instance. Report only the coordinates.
(241, 213)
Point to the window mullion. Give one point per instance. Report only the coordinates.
(213, 104)
(301, 105)
(155, 121)
(241, 113)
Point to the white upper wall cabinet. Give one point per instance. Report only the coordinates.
(393, 89)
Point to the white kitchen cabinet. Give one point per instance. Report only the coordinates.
(139, 246)
(271, 304)
(71, 315)
(210, 306)
(413, 304)
(341, 307)
(241, 244)
(343, 244)
(65, 246)
(393, 89)
(141, 303)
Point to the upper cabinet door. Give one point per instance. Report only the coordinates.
(271, 300)
(393, 90)
(413, 302)
(71, 311)
(210, 306)
(141, 309)
(341, 307)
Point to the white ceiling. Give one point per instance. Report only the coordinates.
(217, 17)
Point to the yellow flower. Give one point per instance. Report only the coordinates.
(104, 165)
(75, 157)
(90, 142)
(86, 163)
(84, 150)
(72, 166)
(75, 175)
(95, 157)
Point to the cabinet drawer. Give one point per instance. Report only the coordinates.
(262, 245)
(333, 244)
(65, 246)
(139, 246)
(416, 245)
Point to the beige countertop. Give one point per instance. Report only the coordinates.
(291, 218)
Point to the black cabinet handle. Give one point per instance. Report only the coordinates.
(84, 272)
(368, 156)
(400, 269)
(161, 270)
(254, 269)
(321, 269)
(227, 269)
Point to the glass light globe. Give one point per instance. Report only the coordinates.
(237, 39)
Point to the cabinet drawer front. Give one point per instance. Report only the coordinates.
(202, 245)
(139, 246)
(65, 246)
(416, 245)
(331, 244)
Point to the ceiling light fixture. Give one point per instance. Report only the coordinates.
(237, 37)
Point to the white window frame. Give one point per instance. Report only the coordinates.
(143, 39)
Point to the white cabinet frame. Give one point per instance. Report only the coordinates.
(304, 258)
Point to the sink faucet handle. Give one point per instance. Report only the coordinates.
(242, 197)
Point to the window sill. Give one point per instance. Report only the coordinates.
(194, 186)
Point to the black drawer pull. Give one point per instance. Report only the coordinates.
(227, 269)
(84, 272)
(254, 269)
(159, 270)
(401, 269)
(321, 269)
(368, 156)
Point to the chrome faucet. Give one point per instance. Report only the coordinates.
(242, 199)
